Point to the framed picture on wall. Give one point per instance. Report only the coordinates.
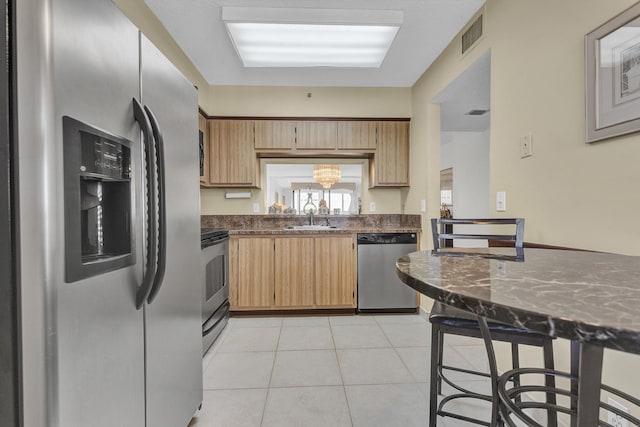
(612, 60)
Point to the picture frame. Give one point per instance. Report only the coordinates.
(612, 71)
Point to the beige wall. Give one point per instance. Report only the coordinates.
(273, 101)
(571, 193)
(568, 189)
(295, 101)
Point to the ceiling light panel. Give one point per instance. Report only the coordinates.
(296, 45)
(311, 37)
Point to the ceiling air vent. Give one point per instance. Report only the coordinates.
(473, 33)
(477, 112)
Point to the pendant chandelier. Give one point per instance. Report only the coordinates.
(326, 175)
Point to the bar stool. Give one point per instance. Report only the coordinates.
(449, 320)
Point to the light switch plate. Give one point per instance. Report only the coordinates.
(501, 201)
(372, 206)
(423, 205)
(256, 208)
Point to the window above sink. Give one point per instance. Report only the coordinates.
(290, 186)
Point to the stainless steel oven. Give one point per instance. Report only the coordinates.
(215, 290)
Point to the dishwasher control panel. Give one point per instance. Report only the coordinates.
(386, 238)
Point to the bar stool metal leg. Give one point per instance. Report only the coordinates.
(550, 383)
(493, 370)
(435, 381)
(589, 381)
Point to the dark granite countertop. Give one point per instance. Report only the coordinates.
(345, 224)
(583, 296)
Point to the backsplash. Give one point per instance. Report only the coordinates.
(269, 222)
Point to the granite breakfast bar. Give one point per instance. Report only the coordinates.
(590, 298)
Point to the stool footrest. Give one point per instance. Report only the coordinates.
(511, 408)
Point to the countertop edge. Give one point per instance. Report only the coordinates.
(613, 338)
(274, 232)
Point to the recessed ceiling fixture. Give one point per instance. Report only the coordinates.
(284, 37)
(476, 112)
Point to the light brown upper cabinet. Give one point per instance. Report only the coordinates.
(390, 165)
(203, 131)
(357, 135)
(317, 135)
(233, 161)
(275, 135)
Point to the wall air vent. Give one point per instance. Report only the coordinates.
(473, 33)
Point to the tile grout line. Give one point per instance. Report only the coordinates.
(273, 366)
(415, 380)
(344, 387)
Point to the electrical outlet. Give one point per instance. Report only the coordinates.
(256, 208)
(526, 145)
(372, 207)
(614, 419)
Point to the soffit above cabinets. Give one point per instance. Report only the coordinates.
(428, 27)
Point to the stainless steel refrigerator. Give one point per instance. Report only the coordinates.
(107, 238)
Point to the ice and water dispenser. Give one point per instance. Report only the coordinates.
(97, 199)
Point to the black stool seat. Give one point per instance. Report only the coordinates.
(450, 316)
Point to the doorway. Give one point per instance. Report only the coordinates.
(464, 143)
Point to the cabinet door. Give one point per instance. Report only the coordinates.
(294, 268)
(255, 272)
(232, 156)
(203, 131)
(357, 135)
(335, 271)
(391, 161)
(316, 135)
(275, 134)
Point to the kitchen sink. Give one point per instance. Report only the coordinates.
(311, 227)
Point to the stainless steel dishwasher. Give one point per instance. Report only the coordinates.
(379, 289)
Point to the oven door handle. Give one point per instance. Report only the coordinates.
(225, 306)
(213, 242)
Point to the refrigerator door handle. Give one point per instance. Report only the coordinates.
(149, 148)
(162, 207)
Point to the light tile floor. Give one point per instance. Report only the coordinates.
(352, 371)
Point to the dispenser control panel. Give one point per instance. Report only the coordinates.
(101, 156)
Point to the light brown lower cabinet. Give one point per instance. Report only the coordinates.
(255, 278)
(292, 272)
(294, 268)
(335, 271)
